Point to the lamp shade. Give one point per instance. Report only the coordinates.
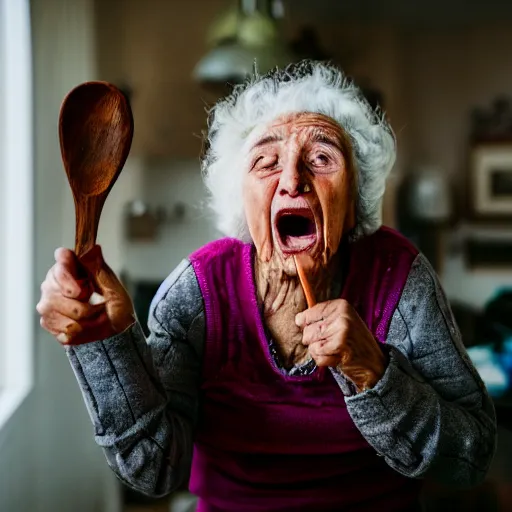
(240, 39)
(234, 61)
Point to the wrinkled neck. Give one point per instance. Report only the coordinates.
(278, 290)
(281, 297)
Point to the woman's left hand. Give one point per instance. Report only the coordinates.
(336, 336)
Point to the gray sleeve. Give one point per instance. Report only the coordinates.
(430, 414)
(142, 394)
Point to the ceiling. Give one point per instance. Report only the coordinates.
(404, 11)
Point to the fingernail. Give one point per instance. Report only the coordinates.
(298, 318)
(95, 299)
(62, 338)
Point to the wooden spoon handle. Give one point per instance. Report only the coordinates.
(87, 270)
(308, 291)
(87, 216)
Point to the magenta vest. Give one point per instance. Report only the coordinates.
(269, 442)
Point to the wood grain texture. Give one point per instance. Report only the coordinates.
(96, 131)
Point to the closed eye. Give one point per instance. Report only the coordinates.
(265, 163)
(320, 160)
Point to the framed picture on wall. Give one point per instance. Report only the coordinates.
(491, 182)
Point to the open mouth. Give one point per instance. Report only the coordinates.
(296, 229)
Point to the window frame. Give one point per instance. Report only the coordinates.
(16, 207)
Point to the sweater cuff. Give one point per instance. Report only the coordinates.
(377, 411)
(386, 394)
(116, 380)
(347, 387)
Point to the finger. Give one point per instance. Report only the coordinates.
(334, 345)
(105, 279)
(78, 310)
(348, 311)
(56, 323)
(323, 361)
(68, 259)
(311, 315)
(332, 327)
(70, 332)
(319, 350)
(80, 286)
(317, 313)
(49, 285)
(66, 281)
(70, 308)
(47, 326)
(96, 329)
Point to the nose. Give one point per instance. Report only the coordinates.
(291, 181)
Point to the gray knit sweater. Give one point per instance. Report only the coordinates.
(429, 415)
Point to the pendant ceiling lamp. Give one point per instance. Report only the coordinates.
(241, 38)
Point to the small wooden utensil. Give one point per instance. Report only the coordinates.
(300, 261)
(308, 291)
(96, 131)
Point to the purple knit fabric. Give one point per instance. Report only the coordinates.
(271, 442)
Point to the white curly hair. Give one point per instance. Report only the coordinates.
(308, 86)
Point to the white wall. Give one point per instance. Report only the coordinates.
(447, 71)
(166, 184)
(48, 459)
(432, 74)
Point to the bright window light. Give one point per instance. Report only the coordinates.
(16, 206)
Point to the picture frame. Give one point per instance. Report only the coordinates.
(491, 182)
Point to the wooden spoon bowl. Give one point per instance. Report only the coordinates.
(95, 131)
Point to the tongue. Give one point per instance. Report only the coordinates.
(299, 243)
(297, 232)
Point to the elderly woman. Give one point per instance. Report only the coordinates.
(259, 402)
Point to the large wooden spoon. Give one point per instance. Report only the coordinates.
(96, 131)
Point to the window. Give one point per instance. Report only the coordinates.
(16, 206)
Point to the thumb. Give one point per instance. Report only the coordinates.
(109, 289)
(104, 278)
(93, 260)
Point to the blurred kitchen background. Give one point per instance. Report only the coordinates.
(442, 70)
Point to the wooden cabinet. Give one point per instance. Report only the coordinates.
(152, 47)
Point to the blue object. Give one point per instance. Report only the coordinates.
(494, 368)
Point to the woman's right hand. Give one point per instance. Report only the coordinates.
(64, 305)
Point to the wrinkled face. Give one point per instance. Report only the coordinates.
(298, 188)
